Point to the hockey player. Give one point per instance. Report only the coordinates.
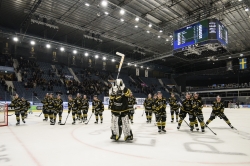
(26, 107)
(174, 108)
(148, 104)
(186, 108)
(58, 108)
(78, 100)
(17, 104)
(72, 105)
(197, 106)
(161, 115)
(97, 108)
(51, 108)
(45, 107)
(131, 103)
(120, 111)
(85, 108)
(218, 110)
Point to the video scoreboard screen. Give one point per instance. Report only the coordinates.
(205, 31)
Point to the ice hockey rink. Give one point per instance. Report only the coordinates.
(37, 143)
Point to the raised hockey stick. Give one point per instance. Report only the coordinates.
(206, 125)
(121, 62)
(65, 120)
(89, 119)
(42, 110)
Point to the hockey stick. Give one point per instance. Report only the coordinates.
(89, 119)
(206, 125)
(65, 120)
(143, 113)
(186, 123)
(11, 114)
(220, 116)
(121, 62)
(39, 115)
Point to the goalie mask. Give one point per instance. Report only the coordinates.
(117, 85)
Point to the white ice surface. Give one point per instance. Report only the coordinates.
(38, 143)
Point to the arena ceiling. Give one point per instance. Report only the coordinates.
(94, 25)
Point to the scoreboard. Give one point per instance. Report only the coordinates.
(205, 31)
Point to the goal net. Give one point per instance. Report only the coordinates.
(3, 114)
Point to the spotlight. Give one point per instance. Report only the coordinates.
(217, 59)
(86, 4)
(62, 49)
(128, 64)
(135, 65)
(86, 54)
(104, 58)
(147, 67)
(167, 39)
(159, 36)
(15, 39)
(106, 13)
(48, 46)
(122, 11)
(161, 31)
(148, 32)
(32, 42)
(137, 19)
(74, 52)
(113, 60)
(247, 9)
(122, 20)
(230, 57)
(104, 3)
(141, 66)
(150, 25)
(136, 26)
(241, 55)
(96, 57)
(240, 0)
(171, 36)
(208, 59)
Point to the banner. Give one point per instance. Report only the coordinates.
(229, 65)
(146, 73)
(139, 101)
(137, 71)
(243, 63)
(69, 77)
(104, 65)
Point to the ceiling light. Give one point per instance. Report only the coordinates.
(241, 54)
(135, 65)
(148, 32)
(159, 36)
(104, 58)
(104, 3)
(147, 67)
(106, 13)
(75, 52)
(113, 60)
(48, 46)
(167, 39)
(86, 54)
(136, 26)
(32, 42)
(122, 11)
(96, 57)
(217, 59)
(141, 66)
(122, 20)
(230, 57)
(137, 19)
(15, 39)
(247, 9)
(128, 64)
(240, 0)
(161, 31)
(171, 36)
(86, 4)
(150, 25)
(208, 59)
(62, 49)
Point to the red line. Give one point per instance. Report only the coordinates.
(26, 149)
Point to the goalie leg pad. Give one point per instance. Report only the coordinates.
(115, 125)
(125, 126)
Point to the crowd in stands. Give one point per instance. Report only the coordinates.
(32, 75)
(221, 86)
(6, 60)
(140, 87)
